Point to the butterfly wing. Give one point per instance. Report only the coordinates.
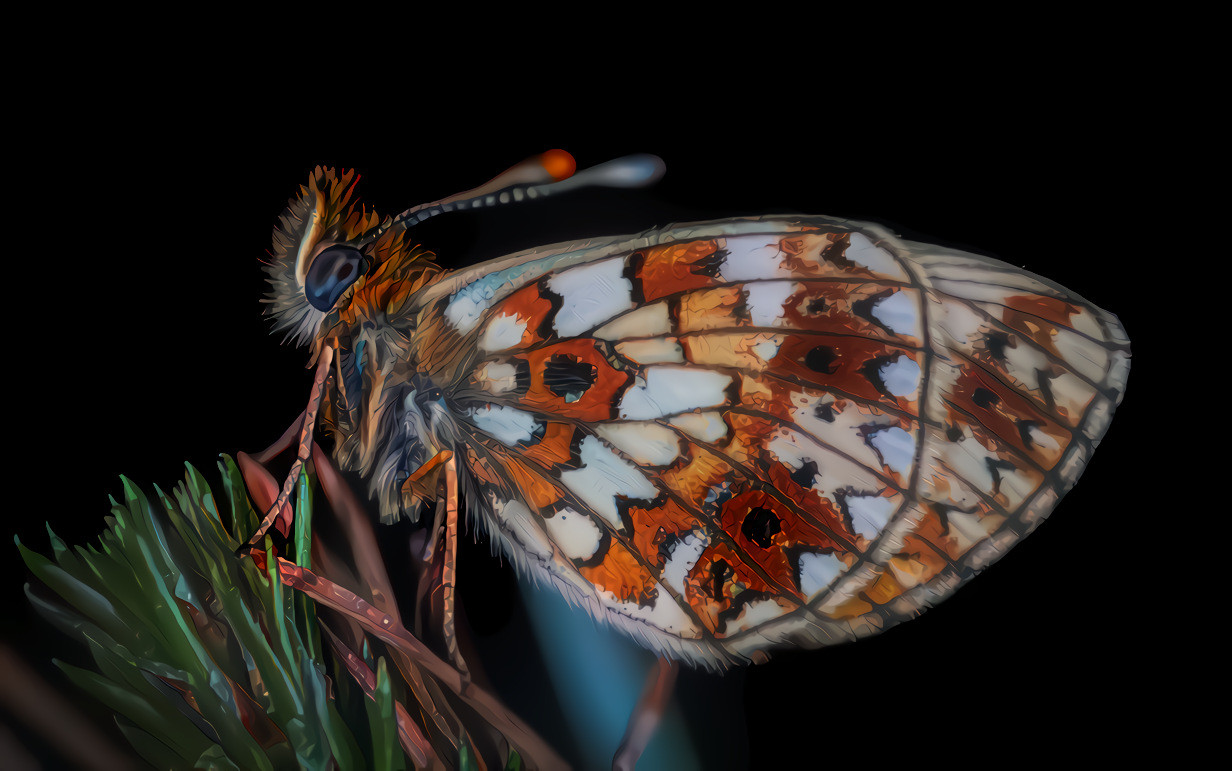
(731, 437)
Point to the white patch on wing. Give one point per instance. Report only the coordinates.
(1084, 356)
(683, 556)
(1042, 440)
(897, 448)
(704, 426)
(754, 614)
(507, 424)
(750, 258)
(649, 444)
(503, 331)
(576, 534)
(969, 461)
(498, 377)
(1072, 394)
(664, 613)
(669, 390)
(765, 300)
(590, 295)
(967, 331)
(869, 513)
(899, 314)
(660, 350)
(862, 252)
(517, 520)
(602, 476)
(834, 472)
(847, 424)
(647, 321)
(901, 376)
(817, 571)
(767, 349)
(464, 310)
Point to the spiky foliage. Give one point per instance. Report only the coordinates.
(207, 660)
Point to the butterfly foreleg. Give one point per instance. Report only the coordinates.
(303, 448)
(646, 715)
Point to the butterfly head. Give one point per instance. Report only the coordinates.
(334, 259)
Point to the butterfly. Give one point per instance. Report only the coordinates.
(721, 438)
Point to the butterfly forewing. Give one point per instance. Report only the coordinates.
(730, 437)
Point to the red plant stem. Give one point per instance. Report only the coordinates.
(646, 715)
(281, 507)
(386, 628)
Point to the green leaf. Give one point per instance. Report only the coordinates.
(514, 761)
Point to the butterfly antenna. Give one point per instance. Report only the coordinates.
(547, 174)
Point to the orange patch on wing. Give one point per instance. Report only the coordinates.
(623, 575)
(853, 608)
(529, 306)
(596, 403)
(821, 255)
(709, 309)
(1038, 317)
(727, 350)
(773, 526)
(813, 503)
(652, 525)
(1002, 410)
(714, 583)
(666, 270)
(554, 448)
(537, 492)
(818, 307)
(844, 363)
(530, 486)
(694, 478)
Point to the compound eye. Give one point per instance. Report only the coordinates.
(331, 273)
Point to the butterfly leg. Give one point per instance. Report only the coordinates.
(646, 715)
(416, 487)
(304, 448)
(449, 569)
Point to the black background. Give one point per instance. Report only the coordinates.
(146, 347)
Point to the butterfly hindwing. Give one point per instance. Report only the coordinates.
(731, 436)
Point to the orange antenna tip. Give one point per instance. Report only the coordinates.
(558, 163)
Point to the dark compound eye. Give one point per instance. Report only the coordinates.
(331, 273)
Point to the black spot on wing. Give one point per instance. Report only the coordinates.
(547, 328)
(995, 467)
(836, 252)
(567, 377)
(864, 308)
(822, 359)
(985, 398)
(871, 370)
(806, 475)
(996, 343)
(1024, 431)
(825, 412)
(719, 572)
(760, 526)
(633, 273)
(709, 265)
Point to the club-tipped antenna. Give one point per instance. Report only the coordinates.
(547, 174)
